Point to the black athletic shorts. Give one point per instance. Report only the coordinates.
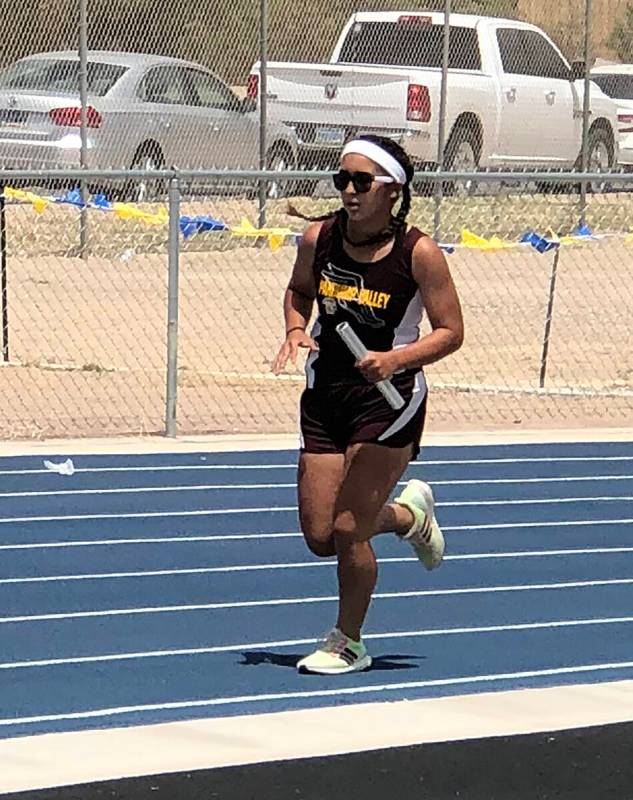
(336, 416)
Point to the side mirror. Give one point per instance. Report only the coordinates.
(577, 71)
(248, 105)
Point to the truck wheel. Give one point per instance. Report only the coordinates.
(462, 155)
(600, 156)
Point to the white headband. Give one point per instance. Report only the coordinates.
(381, 157)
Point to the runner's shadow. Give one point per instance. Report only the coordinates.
(255, 658)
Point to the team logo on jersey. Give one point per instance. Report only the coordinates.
(340, 287)
(329, 304)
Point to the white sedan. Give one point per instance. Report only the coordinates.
(144, 111)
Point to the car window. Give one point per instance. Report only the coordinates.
(525, 52)
(615, 85)
(59, 76)
(166, 85)
(410, 42)
(545, 62)
(209, 92)
(514, 59)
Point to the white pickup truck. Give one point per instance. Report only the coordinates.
(513, 102)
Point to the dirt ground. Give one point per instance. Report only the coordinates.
(87, 337)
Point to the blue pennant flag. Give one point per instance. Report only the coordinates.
(190, 226)
(72, 198)
(583, 230)
(101, 201)
(539, 243)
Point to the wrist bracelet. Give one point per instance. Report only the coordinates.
(296, 328)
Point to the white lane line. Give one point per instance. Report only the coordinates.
(156, 573)
(223, 537)
(278, 509)
(291, 601)
(206, 512)
(432, 462)
(148, 489)
(297, 565)
(239, 648)
(341, 691)
(265, 486)
(545, 524)
(588, 551)
(154, 540)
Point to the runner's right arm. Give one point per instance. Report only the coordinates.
(299, 300)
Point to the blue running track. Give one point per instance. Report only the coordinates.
(148, 588)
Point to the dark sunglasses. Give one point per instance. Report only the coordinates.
(361, 181)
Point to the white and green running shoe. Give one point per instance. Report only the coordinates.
(337, 654)
(425, 535)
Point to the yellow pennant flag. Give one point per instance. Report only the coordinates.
(38, 203)
(275, 236)
(470, 239)
(127, 211)
(275, 241)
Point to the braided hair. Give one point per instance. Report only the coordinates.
(397, 223)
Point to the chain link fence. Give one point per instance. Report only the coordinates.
(225, 37)
(127, 83)
(472, 87)
(547, 307)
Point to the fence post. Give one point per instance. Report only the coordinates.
(172, 307)
(263, 106)
(83, 127)
(441, 130)
(548, 318)
(586, 111)
(3, 276)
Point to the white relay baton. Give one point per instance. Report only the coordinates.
(358, 349)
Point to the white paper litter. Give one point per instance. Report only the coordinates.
(64, 468)
(127, 255)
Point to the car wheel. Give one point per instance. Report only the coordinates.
(280, 159)
(146, 190)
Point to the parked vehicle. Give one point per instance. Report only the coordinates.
(144, 111)
(513, 100)
(616, 81)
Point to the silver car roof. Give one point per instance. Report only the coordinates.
(132, 60)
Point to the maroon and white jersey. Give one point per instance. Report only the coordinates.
(380, 300)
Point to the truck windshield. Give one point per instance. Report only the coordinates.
(409, 43)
